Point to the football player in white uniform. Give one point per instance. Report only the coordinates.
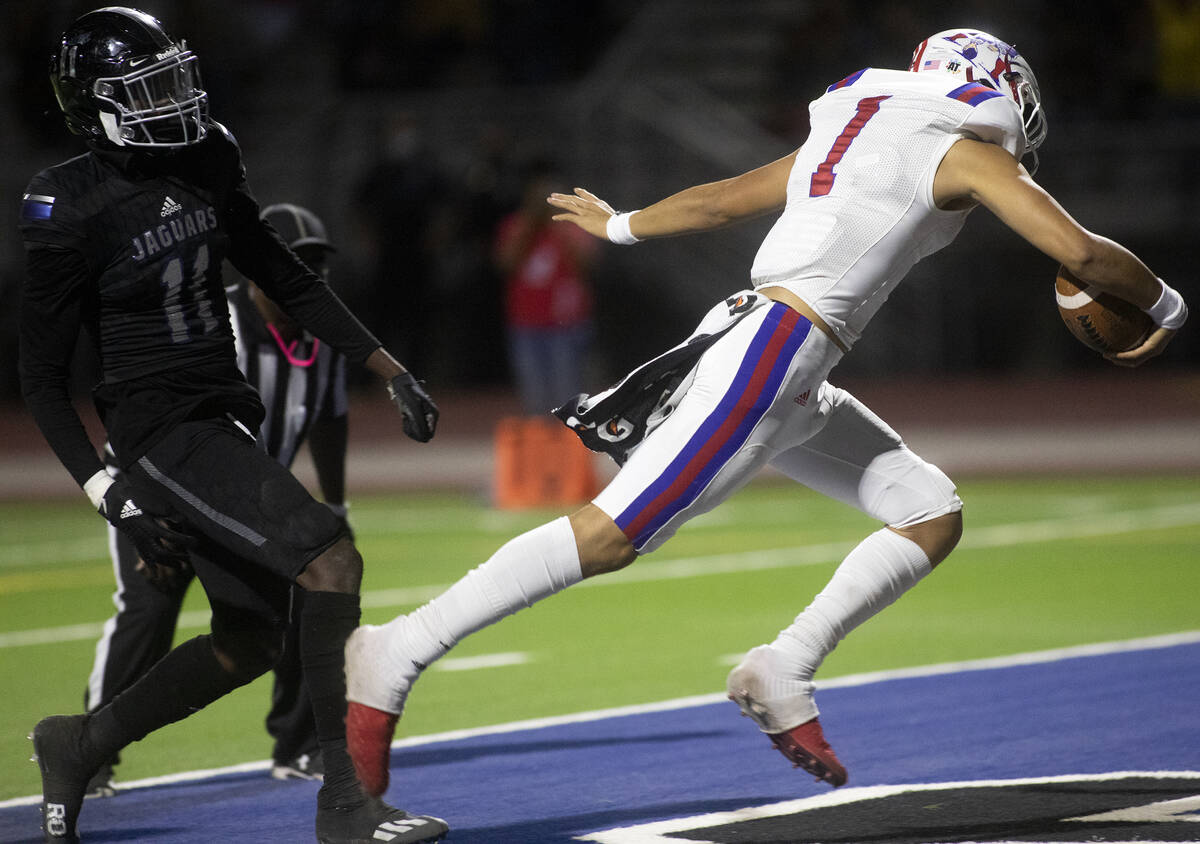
(895, 161)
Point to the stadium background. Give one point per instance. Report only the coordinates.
(636, 99)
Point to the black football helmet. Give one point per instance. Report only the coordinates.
(120, 79)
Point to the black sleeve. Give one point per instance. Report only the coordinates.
(52, 306)
(259, 253)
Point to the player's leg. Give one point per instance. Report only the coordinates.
(137, 635)
(382, 662)
(70, 748)
(296, 753)
(858, 459)
(704, 451)
(262, 516)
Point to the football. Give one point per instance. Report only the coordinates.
(1100, 321)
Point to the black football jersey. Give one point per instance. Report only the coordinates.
(129, 247)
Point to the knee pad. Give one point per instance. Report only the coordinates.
(901, 489)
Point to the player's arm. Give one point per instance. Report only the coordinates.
(259, 253)
(700, 208)
(51, 313)
(987, 174)
(52, 307)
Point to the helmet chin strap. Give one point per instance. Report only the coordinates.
(112, 129)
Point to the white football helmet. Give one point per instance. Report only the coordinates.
(975, 56)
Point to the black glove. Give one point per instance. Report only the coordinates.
(416, 407)
(161, 545)
(170, 580)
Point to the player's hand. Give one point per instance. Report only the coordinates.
(417, 409)
(168, 579)
(159, 541)
(1154, 344)
(585, 210)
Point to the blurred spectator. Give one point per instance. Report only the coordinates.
(547, 295)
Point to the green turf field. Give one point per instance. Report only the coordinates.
(1044, 563)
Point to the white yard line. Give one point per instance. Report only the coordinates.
(661, 569)
(1029, 658)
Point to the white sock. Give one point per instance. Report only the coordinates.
(526, 569)
(879, 570)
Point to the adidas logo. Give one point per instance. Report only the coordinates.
(170, 207)
(389, 830)
(129, 509)
(802, 399)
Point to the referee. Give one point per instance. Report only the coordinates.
(302, 383)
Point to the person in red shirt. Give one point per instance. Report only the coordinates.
(547, 295)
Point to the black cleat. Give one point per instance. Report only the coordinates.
(375, 822)
(306, 766)
(58, 747)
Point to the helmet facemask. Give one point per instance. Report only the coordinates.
(160, 105)
(1033, 118)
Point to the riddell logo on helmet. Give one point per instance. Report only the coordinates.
(170, 51)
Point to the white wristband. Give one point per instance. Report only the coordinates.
(97, 485)
(618, 231)
(1170, 311)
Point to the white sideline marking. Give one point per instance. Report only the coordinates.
(471, 663)
(653, 833)
(1028, 658)
(649, 570)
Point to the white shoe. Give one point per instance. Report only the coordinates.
(373, 677)
(765, 693)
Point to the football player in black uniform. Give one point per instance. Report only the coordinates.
(302, 384)
(126, 241)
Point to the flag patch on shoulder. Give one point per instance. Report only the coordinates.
(35, 206)
(849, 80)
(973, 93)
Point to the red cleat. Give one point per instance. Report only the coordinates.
(369, 734)
(806, 748)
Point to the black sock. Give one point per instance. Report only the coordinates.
(186, 680)
(326, 622)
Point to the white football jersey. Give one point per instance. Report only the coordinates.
(860, 208)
